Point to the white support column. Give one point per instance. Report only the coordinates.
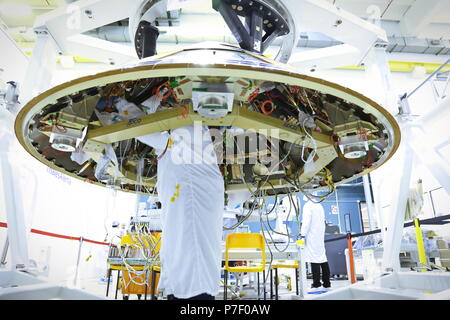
(66, 25)
(378, 71)
(378, 74)
(11, 194)
(369, 203)
(429, 138)
(357, 35)
(40, 68)
(394, 233)
(379, 208)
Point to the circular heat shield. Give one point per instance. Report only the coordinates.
(310, 123)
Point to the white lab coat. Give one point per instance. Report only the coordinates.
(313, 229)
(192, 198)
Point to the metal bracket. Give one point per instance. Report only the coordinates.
(145, 39)
(262, 23)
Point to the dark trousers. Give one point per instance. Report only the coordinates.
(203, 296)
(315, 267)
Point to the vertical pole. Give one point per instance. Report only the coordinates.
(75, 280)
(117, 283)
(271, 283)
(302, 268)
(351, 258)
(369, 203)
(4, 252)
(394, 233)
(153, 294)
(264, 283)
(258, 285)
(225, 284)
(109, 278)
(276, 283)
(420, 245)
(146, 283)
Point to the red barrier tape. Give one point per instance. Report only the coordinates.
(55, 235)
(44, 233)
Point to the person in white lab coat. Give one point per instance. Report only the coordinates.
(190, 188)
(313, 232)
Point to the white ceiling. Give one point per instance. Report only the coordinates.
(391, 11)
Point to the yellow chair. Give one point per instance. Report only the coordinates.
(280, 265)
(244, 241)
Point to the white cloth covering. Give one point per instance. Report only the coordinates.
(192, 197)
(313, 229)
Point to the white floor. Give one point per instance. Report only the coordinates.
(94, 286)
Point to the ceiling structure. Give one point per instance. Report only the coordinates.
(412, 26)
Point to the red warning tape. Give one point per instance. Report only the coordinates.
(44, 233)
(55, 235)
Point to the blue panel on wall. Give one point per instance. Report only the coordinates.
(347, 203)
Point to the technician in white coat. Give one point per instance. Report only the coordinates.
(313, 232)
(191, 190)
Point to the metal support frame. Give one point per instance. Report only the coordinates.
(358, 36)
(394, 233)
(417, 145)
(75, 280)
(377, 68)
(66, 25)
(430, 77)
(259, 18)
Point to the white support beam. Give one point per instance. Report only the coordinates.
(429, 138)
(40, 68)
(369, 203)
(322, 16)
(393, 235)
(324, 58)
(84, 15)
(67, 24)
(419, 16)
(100, 50)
